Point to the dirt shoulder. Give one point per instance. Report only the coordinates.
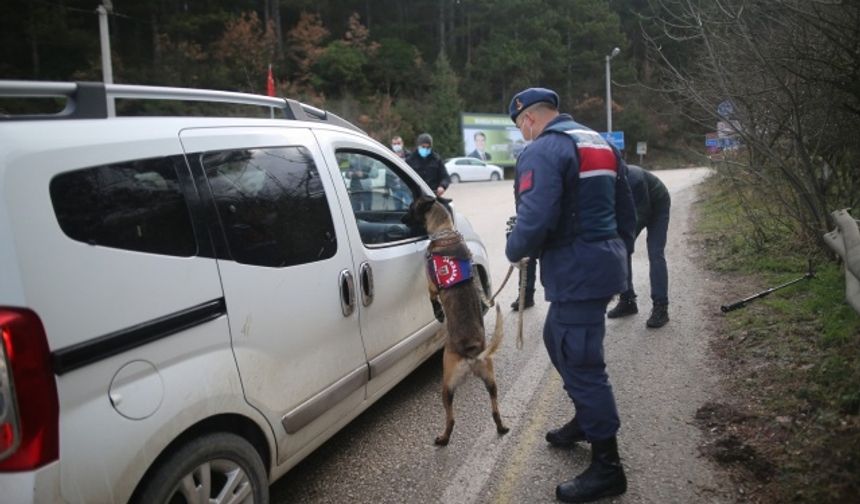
(784, 426)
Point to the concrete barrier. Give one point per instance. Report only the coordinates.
(845, 241)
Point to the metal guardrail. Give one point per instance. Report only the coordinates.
(88, 100)
(845, 241)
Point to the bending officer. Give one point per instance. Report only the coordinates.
(652, 212)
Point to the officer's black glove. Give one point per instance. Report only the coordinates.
(509, 226)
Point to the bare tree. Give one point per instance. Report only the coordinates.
(780, 76)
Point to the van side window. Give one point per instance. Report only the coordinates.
(379, 195)
(135, 205)
(272, 205)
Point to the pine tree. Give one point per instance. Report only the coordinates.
(444, 106)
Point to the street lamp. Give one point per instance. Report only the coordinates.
(609, 56)
(104, 41)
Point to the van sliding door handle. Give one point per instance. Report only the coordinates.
(365, 278)
(347, 292)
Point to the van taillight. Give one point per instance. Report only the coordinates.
(29, 408)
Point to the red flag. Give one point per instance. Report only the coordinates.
(270, 83)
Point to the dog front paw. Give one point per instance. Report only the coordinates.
(437, 310)
(502, 430)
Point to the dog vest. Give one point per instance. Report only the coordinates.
(448, 271)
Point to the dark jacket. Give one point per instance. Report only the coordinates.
(649, 193)
(431, 169)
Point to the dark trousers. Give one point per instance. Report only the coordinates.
(658, 228)
(573, 335)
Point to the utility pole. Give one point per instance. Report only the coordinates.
(104, 40)
(609, 56)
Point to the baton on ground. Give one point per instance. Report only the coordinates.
(743, 302)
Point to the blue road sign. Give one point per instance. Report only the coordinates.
(726, 108)
(614, 137)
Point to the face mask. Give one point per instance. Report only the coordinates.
(424, 151)
(396, 147)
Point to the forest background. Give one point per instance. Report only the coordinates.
(392, 67)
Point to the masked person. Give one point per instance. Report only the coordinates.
(652, 212)
(576, 212)
(428, 165)
(398, 148)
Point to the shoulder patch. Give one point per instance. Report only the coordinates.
(526, 182)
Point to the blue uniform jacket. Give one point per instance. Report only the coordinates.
(575, 207)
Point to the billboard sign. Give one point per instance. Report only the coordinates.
(491, 137)
(616, 138)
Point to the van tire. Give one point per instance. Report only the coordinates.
(217, 456)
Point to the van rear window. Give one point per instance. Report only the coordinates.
(135, 205)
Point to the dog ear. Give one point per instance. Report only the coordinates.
(424, 203)
(446, 203)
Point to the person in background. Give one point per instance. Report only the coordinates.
(652, 212)
(359, 173)
(575, 210)
(398, 148)
(428, 165)
(480, 147)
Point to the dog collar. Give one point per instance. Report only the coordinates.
(444, 239)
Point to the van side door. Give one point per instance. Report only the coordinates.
(397, 323)
(287, 274)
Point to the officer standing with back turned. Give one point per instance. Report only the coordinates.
(575, 209)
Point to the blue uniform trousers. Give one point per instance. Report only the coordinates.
(573, 335)
(658, 228)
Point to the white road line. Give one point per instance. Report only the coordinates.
(474, 473)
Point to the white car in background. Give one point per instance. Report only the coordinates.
(467, 168)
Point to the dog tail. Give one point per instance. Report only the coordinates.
(498, 333)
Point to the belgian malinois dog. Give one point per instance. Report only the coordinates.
(451, 284)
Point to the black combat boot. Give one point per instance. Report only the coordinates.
(528, 304)
(566, 436)
(659, 315)
(624, 307)
(603, 478)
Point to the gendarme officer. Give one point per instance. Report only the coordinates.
(576, 210)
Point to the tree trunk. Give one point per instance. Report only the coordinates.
(156, 43)
(279, 35)
(442, 27)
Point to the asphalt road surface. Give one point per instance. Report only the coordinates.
(660, 378)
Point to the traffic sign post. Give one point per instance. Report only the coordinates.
(641, 149)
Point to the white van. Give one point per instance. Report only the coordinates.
(191, 305)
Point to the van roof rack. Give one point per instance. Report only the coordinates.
(89, 100)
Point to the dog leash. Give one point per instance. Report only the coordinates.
(522, 296)
(523, 265)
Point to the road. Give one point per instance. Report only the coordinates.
(660, 378)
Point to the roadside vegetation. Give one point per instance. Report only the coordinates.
(788, 424)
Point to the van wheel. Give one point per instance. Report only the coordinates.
(218, 468)
(455, 179)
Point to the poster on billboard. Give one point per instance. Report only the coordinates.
(491, 137)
